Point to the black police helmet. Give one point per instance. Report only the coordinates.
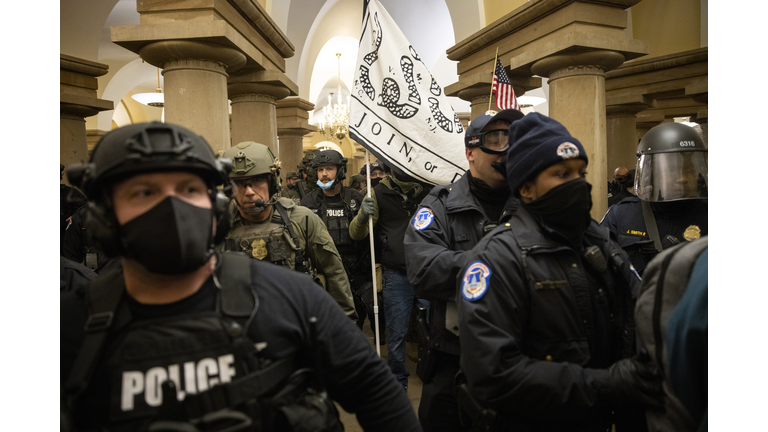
(331, 157)
(671, 137)
(147, 147)
(144, 148)
(672, 164)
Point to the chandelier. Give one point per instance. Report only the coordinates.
(155, 99)
(335, 122)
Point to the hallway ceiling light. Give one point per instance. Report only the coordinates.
(155, 99)
(335, 122)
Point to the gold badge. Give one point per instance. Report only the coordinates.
(692, 233)
(259, 249)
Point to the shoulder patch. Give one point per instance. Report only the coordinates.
(423, 218)
(475, 282)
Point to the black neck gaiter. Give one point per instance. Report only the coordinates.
(565, 210)
(173, 237)
(492, 200)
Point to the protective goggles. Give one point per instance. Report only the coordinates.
(493, 142)
(251, 182)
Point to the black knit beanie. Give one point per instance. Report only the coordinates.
(538, 142)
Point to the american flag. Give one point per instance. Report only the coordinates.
(505, 95)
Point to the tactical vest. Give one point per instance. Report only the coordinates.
(338, 223)
(271, 241)
(195, 371)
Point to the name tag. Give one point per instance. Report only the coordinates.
(546, 285)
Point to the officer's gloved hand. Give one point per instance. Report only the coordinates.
(635, 380)
(366, 209)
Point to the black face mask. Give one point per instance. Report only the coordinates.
(375, 181)
(173, 237)
(565, 209)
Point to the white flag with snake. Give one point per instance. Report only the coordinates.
(398, 111)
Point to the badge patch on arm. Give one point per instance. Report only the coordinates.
(476, 280)
(423, 218)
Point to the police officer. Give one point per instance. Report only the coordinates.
(274, 229)
(671, 188)
(183, 338)
(450, 221)
(545, 306)
(337, 205)
(392, 203)
(290, 189)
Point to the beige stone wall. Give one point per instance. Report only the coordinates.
(495, 9)
(669, 26)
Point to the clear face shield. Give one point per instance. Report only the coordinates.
(672, 176)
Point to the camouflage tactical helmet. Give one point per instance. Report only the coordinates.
(250, 159)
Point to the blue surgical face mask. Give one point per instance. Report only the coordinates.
(326, 186)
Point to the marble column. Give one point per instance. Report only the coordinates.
(77, 100)
(254, 95)
(292, 126)
(578, 80)
(195, 76)
(621, 132)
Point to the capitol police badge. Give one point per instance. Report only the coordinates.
(475, 281)
(567, 150)
(259, 249)
(692, 233)
(423, 218)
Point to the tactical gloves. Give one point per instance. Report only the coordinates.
(634, 381)
(366, 209)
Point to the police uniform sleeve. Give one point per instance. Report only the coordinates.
(432, 266)
(493, 314)
(325, 257)
(358, 229)
(353, 374)
(609, 221)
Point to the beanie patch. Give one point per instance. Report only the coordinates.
(567, 150)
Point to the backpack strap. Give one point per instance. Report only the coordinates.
(302, 264)
(107, 313)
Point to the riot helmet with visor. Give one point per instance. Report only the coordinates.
(672, 164)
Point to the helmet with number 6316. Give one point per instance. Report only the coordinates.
(671, 164)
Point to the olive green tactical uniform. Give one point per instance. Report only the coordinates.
(271, 241)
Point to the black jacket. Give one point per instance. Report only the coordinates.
(684, 220)
(354, 375)
(435, 251)
(538, 327)
(395, 212)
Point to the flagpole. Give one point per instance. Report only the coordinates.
(373, 257)
(493, 74)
